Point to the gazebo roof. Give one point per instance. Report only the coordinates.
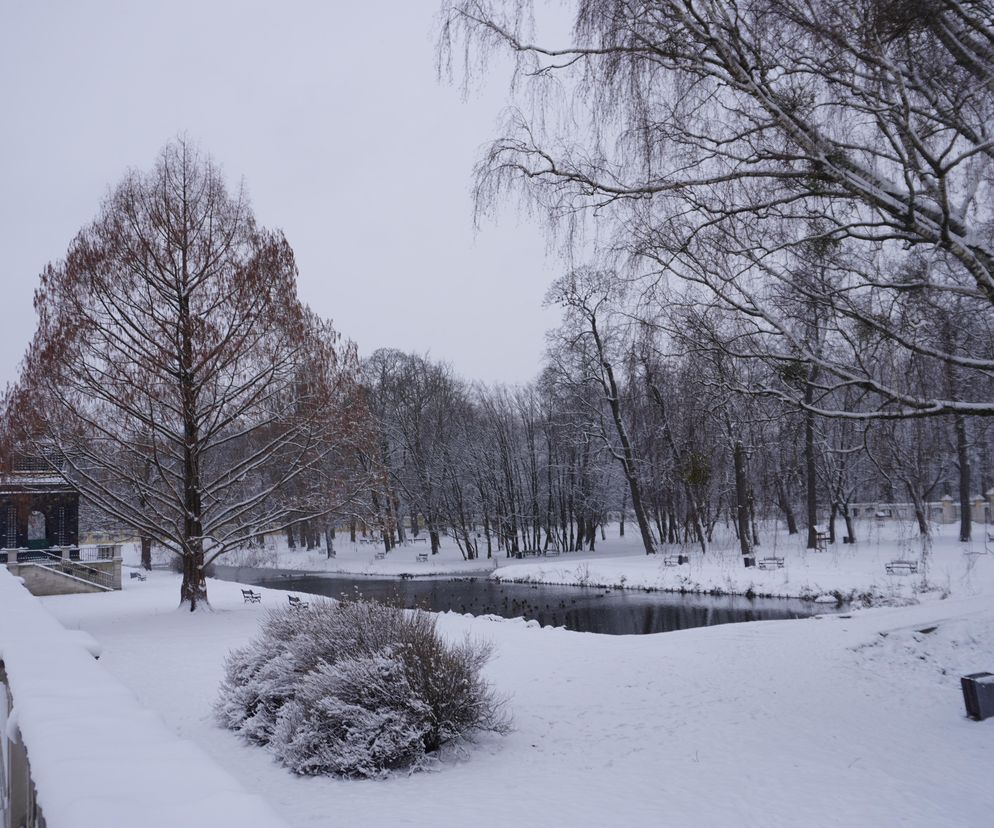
(19, 483)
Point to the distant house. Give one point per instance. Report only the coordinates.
(39, 531)
(38, 509)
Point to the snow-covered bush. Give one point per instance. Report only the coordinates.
(356, 689)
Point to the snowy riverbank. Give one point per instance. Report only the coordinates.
(855, 719)
(848, 571)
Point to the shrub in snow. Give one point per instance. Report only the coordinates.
(356, 689)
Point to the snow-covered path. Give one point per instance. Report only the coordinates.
(817, 722)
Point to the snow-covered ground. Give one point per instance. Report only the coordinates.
(97, 757)
(852, 571)
(855, 719)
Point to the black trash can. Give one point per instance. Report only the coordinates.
(978, 695)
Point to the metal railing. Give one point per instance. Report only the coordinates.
(100, 552)
(88, 553)
(97, 577)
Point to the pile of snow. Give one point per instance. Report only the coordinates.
(97, 757)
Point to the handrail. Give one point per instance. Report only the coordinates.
(78, 570)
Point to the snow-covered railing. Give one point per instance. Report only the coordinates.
(78, 570)
(96, 756)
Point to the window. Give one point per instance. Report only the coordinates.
(36, 527)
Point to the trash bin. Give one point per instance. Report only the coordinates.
(978, 695)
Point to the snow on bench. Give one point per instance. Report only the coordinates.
(901, 567)
(250, 597)
(770, 563)
(296, 603)
(676, 560)
(552, 553)
(380, 556)
(422, 557)
(138, 576)
(97, 756)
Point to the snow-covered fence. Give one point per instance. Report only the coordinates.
(84, 752)
(945, 510)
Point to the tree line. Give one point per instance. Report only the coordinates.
(779, 300)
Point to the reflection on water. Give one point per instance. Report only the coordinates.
(584, 609)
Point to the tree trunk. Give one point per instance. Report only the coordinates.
(850, 531)
(741, 499)
(660, 523)
(146, 552)
(752, 519)
(963, 463)
(811, 481)
(627, 453)
(786, 508)
(193, 589)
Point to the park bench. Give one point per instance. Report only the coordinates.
(676, 560)
(380, 556)
(901, 567)
(821, 538)
(296, 603)
(249, 597)
(138, 576)
(528, 553)
(770, 563)
(552, 553)
(419, 540)
(422, 557)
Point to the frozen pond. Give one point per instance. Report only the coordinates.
(584, 609)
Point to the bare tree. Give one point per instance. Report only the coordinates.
(587, 332)
(194, 396)
(712, 133)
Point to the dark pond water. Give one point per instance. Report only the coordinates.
(584, 609)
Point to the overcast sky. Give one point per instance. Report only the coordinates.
(332, 114)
